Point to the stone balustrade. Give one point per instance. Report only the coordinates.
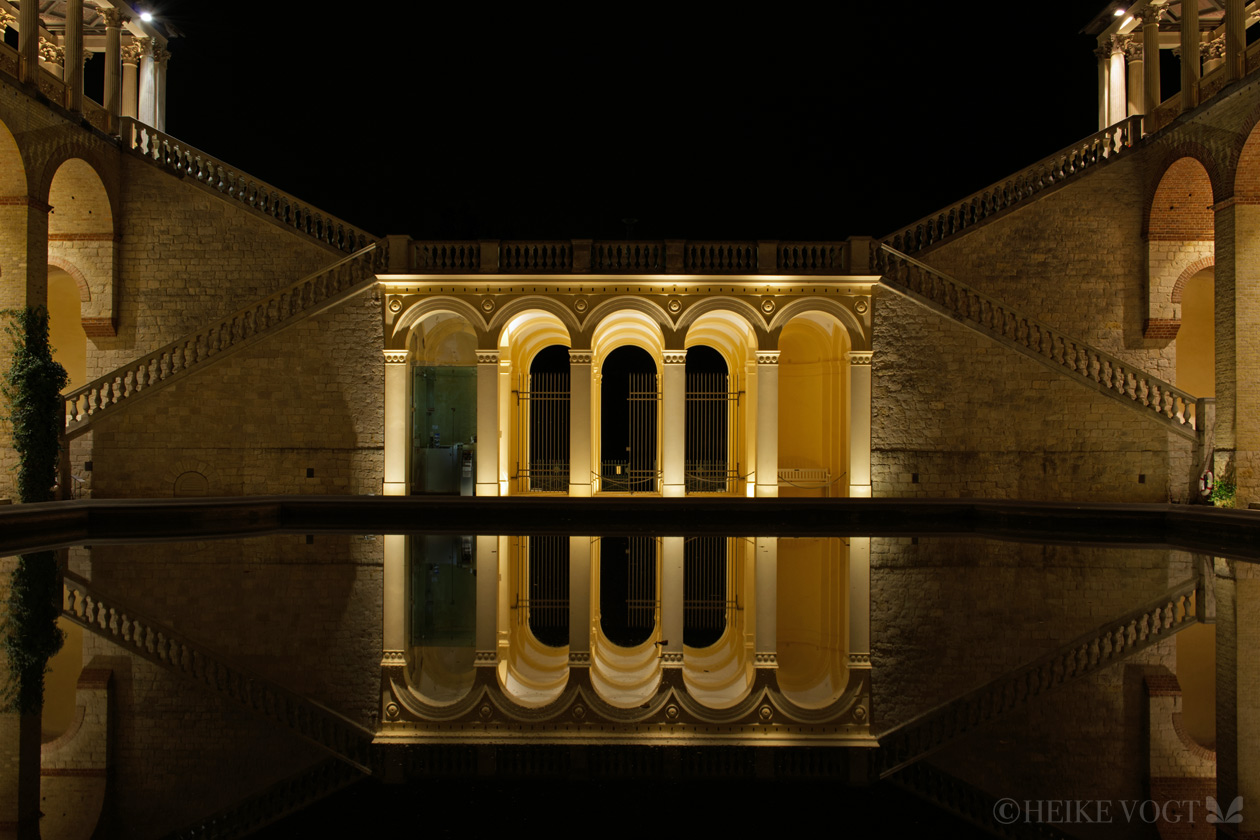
(1023, 185)
(178, 157)
(158, 643)
(970, 803)
(658, 256)
(301, 300)
(1125, 382)
(1105, 645)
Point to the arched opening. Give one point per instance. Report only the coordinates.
(629, 401)
(812, 575)
(81, 234)
(629, 599)
(443, 615)
(1180, 234)
(542, 452)
(710, 460)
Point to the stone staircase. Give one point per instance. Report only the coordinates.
(264, 318)
(129, 629)
(285, 797)
(1161, 401)
(1103, 646)
(1030, 181)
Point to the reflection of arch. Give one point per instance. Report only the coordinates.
(812, 620)
(859, 339)
(532, 673)
(721, 675)
(625, 677)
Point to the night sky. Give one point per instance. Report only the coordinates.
(471, 121)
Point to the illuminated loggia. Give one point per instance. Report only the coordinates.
(542, 379)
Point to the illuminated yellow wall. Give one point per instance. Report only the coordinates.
(1196, 373)
(813, 428)
(812, 598)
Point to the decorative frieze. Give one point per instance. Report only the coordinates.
(487, 357)
(674, 357)
(767, 357)
(395, 357)
(859, 357)
(581, 357)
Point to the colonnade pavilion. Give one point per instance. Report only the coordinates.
(338, 505)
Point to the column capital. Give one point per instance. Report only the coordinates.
(396, 357)
(767, 357)
(147, 46)
(674, 357)
(6, 20)
(161, 56)
(1104, 50)
(487, 357)
(1154, 10)
(130, 53)
(114, 19)
(50, 52)
(1120, 44)
(581, 357)
(1133, 50)
(859, 357)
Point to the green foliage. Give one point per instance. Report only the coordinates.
(32, 387)
(1223, 493)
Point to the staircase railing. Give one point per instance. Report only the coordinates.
(158, 643)
(1023, 185)
(184, 160)
(306, 298)
(1107, 644)
(1089, 365)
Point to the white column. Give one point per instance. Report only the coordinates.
(579, 431)
(859, 423)
(73, 72)
(580, 601)
(1150, 52)
(1103, 52)
(1190, 60)
(160, 59)
(397, 423)
(113, 60)
(487, 600)
(673, 555)
(28, 41)
(767, 423)
(148, 83)
(130, 58)
(1235, 39)
(1135, 75)
(1117, 95)
(487, 422)
(674, 422)
(766, 612)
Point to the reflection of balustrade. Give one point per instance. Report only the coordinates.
(1087, 364)
(1023, 185)
(161, 645)
(180, 158)
(1106, 645)
(307, 297)
(971, 804)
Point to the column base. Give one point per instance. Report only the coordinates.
(767, 491)
(394, 488)
(491, 489)
(674, 491)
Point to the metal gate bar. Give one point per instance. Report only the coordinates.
(710, 454)
(543, 564)
(542, 444)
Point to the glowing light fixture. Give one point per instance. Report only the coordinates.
(146, 16)
(1119, 12)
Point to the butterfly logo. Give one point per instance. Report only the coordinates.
(1234, 814)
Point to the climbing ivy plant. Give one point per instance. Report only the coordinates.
(32, 389)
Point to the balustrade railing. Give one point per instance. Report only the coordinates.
(720, 257)
(1023, 185)
(1105, 645)
(1125, 382)
(630, 257)
(810, 257)
(971, 804)
(158, 643)
(554, 256)
(458, 257)
(178, 157)
(307, 297)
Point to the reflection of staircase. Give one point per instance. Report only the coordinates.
(161, 645)
(285, 797)
(1106, 645)
(998, 818)
(291, 305)
(1030, 181)
(1092, 367)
